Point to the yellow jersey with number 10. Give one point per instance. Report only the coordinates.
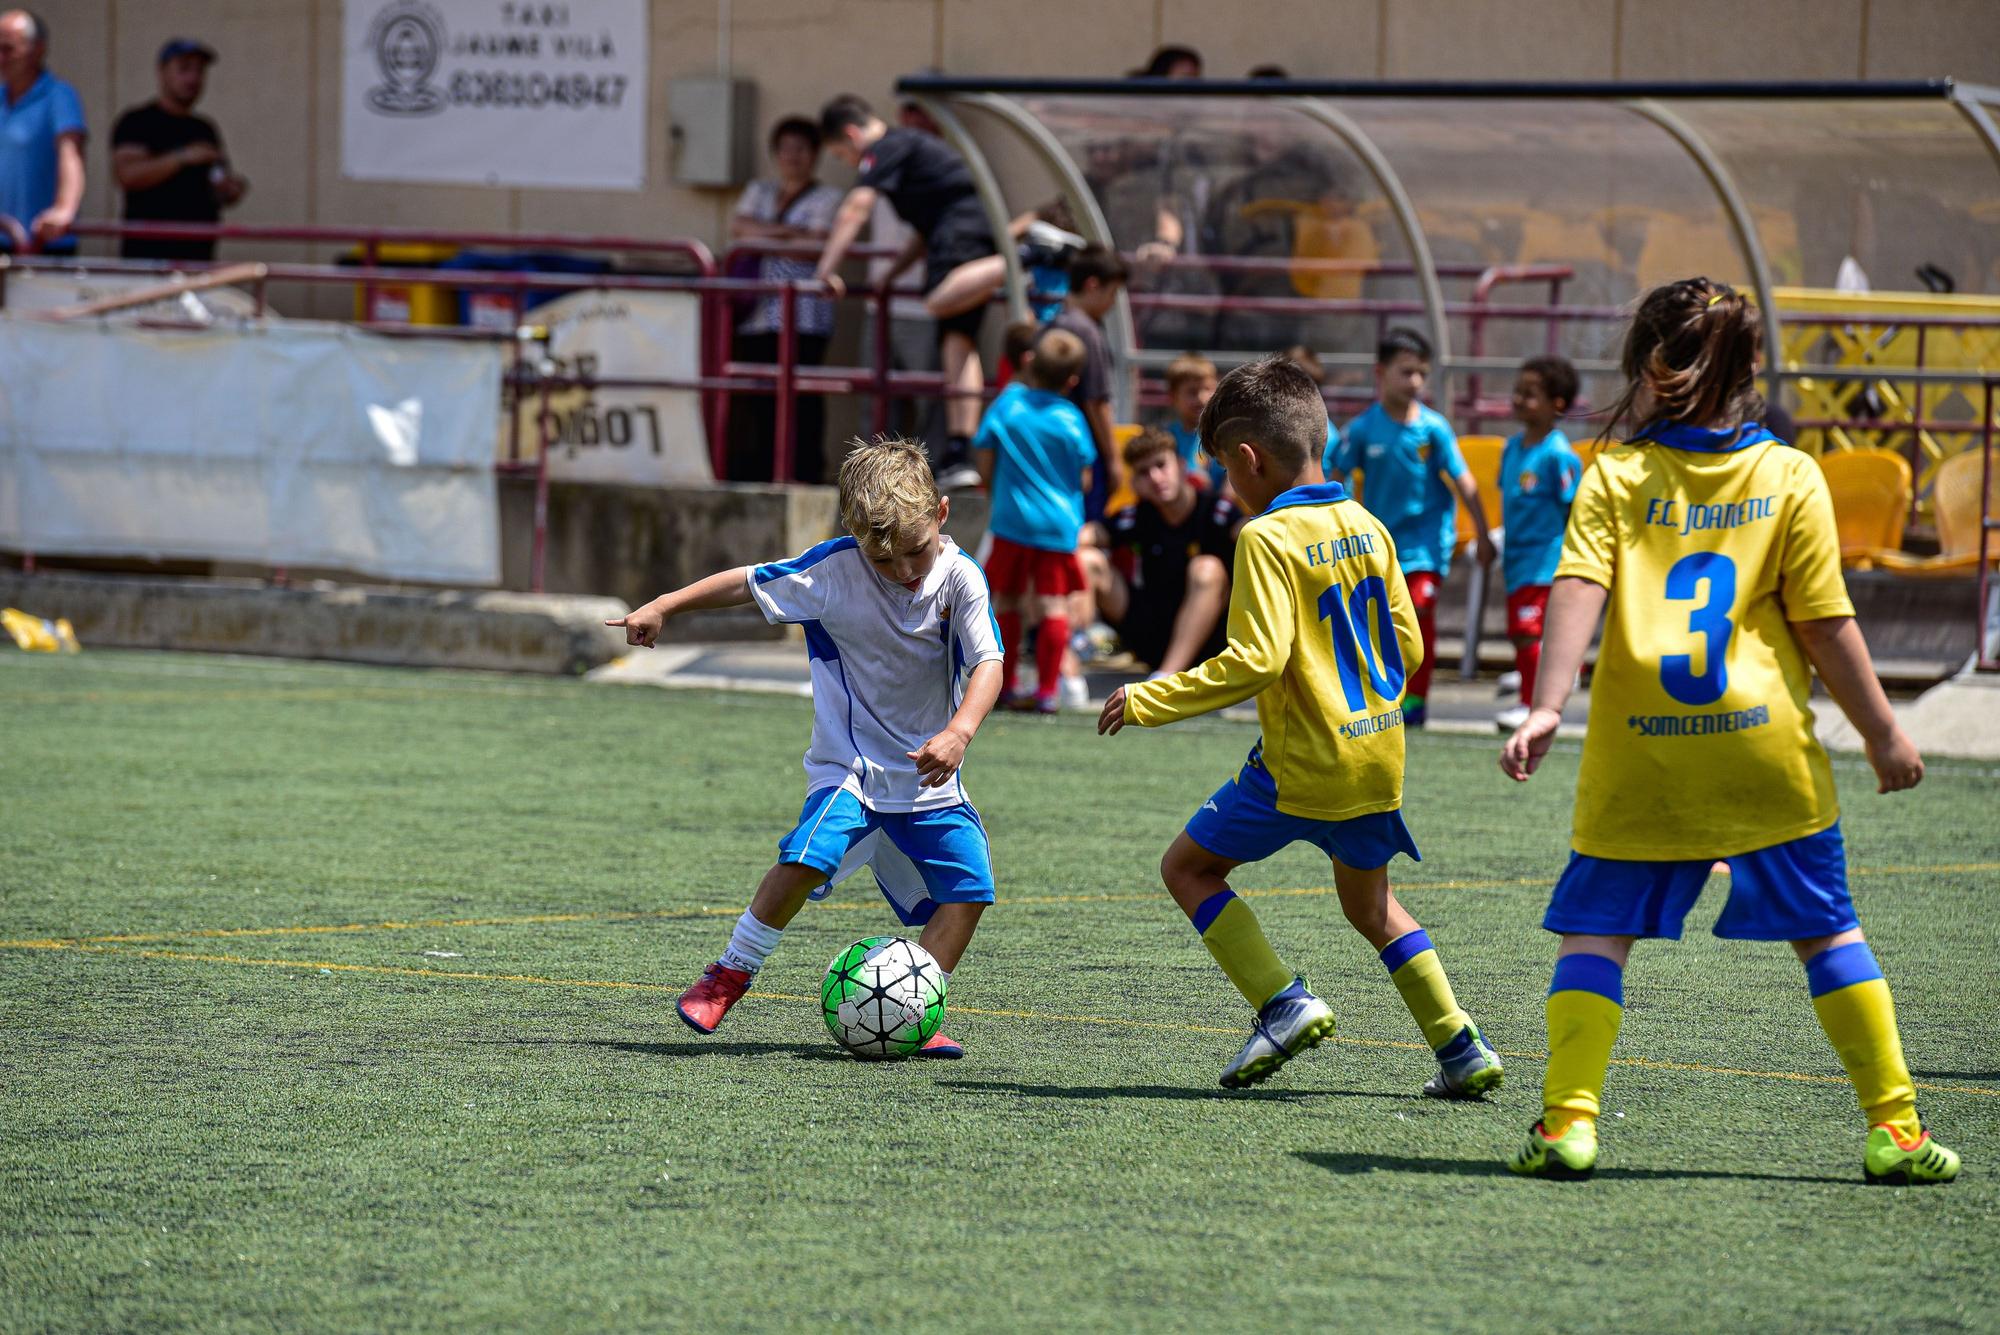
(1700, 741)
(1323, 633)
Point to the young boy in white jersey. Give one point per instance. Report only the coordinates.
(1713, 545)
(905, 666)
(1321, 631)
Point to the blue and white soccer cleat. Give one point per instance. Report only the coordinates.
(1467, 1068)
(1290, 1022)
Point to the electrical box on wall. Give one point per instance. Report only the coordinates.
(714, 128)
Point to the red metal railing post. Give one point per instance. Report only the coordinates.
(785, 412)
(880, 312)
(1986, 661)
(538, 555)
(722, 340)
(369, 261)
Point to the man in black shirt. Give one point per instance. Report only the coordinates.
(170, 162)
(931, 189)
(1164, 585)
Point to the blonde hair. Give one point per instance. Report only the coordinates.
(1189, 366)
(887, 495)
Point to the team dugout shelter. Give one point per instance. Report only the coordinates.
(1506, 220)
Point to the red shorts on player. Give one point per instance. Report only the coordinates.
(1012, 569)
(1424, 585)
(1525, 609)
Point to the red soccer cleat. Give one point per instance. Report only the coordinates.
(702, 1006)
(941, 1047)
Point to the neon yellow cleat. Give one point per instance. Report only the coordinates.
(1570, 1157)
(1889, 1162)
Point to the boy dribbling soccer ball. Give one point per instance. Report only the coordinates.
(905, 666)
(1322, 633)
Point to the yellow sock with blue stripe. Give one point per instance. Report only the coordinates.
(1412, 962)
(1852, 1000)
(1231, 932)
(1586, 1005)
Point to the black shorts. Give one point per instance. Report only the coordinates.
(955, 244)
(1148, 627)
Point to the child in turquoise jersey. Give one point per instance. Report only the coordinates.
(1538, 476)
(1412, 476)
(1034, 450)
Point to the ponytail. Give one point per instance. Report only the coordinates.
(1694, 345)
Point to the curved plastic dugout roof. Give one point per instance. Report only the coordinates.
(1424, 183)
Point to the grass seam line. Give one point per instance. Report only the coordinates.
(1102, 1021)
(646, 915)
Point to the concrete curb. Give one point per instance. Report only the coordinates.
(503, 632)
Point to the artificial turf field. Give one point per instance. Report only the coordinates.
(334, 997)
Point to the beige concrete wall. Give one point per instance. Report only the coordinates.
(276, 91)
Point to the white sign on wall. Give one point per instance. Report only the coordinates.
(495, 92)
(646, 437)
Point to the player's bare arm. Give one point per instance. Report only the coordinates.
(1468, 492)
(938, 759)
(725, 588)
(1839, 653)
(847, 225)
(1574, 607)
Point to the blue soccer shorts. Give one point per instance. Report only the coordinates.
(1792, 891)
(1242, 822)
(921, 859)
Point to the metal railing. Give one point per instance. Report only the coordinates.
(721, 377)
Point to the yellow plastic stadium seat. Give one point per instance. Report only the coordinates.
(1120, 494)
(1482, 456)
(1956, 495)
(1871, 499)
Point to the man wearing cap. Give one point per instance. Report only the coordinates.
(170, 162)
(41, 141)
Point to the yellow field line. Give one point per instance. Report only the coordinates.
(865, 904)
(1101, 1021)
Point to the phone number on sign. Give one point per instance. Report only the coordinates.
(480, 89)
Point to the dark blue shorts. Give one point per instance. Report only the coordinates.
(921, 859)
(1788, 892)
(1242, 822)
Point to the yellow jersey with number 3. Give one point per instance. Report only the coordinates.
(1323, 633)
(1700, 742)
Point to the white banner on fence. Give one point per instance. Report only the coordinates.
(495, 92)
(648, 437)
(296, 445)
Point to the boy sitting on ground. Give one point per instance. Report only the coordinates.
(1164, 585)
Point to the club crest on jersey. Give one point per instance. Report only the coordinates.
(1527, 482)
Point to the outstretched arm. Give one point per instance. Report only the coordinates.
(725, 588)
(1468, 491)
(1837, 649)
(1574, 606)
(847, 225)
(1260, 645)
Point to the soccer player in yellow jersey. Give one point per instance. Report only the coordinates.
(1322, 632)
(1713, 546)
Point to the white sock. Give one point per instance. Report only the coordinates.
(750, 943)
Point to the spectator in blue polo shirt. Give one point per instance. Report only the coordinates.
(41, 141)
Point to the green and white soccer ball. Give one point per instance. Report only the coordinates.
(883, 997)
